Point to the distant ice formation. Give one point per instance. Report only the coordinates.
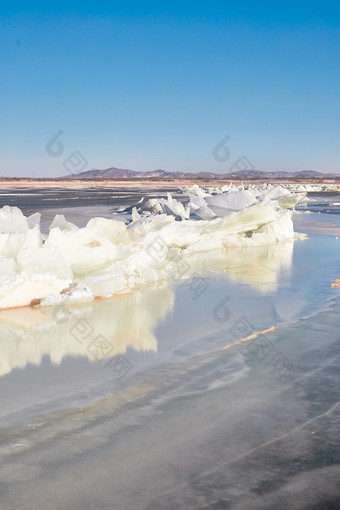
(107, 257)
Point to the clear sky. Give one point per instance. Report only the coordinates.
(149, 85)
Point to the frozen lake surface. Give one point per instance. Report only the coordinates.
(218, 392)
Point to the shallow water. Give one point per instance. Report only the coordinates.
(152, 400)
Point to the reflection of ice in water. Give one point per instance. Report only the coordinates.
(258, 266)
(128, 320)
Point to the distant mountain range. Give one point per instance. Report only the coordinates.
(120, 173)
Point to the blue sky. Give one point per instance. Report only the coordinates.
(150, 85)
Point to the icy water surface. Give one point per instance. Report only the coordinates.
(166, 398)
